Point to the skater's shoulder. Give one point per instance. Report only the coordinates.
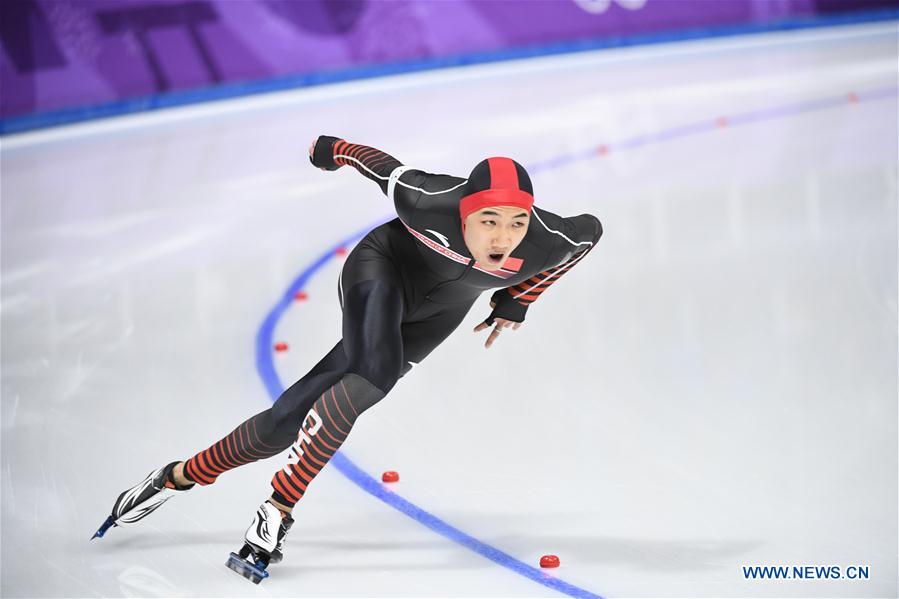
(430, 183)
(565, 233)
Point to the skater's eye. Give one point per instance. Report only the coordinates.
(489, 222)
(518, 224)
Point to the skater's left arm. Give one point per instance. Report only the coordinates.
(579, 235)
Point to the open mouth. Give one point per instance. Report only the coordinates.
(495, 258)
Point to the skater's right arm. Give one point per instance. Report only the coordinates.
(330, 153)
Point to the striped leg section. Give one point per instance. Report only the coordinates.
(324, 430)
(242, 446)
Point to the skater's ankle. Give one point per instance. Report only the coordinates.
(178, 476)
(284, 509)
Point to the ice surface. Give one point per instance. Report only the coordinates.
(714, 387)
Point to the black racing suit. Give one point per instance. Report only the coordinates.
(403, 289)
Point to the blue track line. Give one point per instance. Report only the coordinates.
(264, 338)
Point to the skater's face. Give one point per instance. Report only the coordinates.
(492, 233)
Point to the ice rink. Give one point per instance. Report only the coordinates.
(713, 388)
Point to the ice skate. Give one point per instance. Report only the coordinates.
(261, 547)
(142, 499)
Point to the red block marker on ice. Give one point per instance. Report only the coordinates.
(549, 561)
(300, 296)
(340, 251)
(390, 477)
(280, 346)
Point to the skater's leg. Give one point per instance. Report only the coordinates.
(270, 432)
(373, 312)
(263, 435)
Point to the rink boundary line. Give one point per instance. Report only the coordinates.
(231, 91)
(720, 123)
(266, 366)
(298, 96)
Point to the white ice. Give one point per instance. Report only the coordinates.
(714, 387)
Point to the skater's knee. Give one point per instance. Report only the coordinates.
(293, 404)
(361, 392)
(381, 371)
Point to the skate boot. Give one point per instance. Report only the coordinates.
(263, 544)
(143, 499)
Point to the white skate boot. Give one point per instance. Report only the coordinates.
(143, 499)
(263, 543)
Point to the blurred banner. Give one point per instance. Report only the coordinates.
(59, 54)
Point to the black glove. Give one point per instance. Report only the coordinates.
(505, 306)
(323, 154)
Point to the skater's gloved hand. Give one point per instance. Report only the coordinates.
(321, 153)
(507, 314)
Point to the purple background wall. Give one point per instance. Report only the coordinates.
(60, 54)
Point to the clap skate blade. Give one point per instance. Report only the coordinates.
(248, 564)
(107, 524)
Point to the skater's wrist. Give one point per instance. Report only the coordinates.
(506, 307)
(323, 153)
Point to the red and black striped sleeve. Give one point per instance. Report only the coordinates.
(580, 234)
(331, 153)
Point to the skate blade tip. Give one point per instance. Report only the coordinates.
(107, 524)
(246, 569)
